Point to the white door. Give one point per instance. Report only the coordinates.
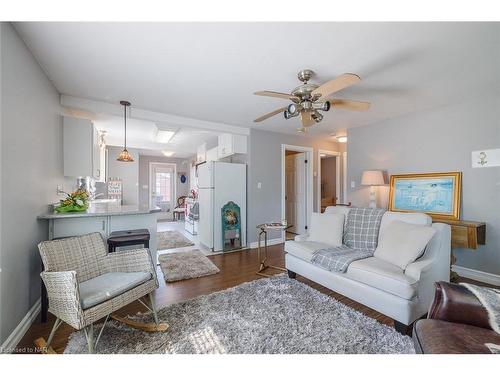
(163, 189)
(296, 193)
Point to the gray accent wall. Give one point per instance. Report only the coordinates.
(264, 165)
(438, 140)
(31, 168)
(128, 172)
(182, 165)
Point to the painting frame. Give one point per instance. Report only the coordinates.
(453, 214)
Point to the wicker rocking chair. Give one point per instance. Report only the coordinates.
(84, 284)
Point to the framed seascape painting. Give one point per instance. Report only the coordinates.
(436, 194)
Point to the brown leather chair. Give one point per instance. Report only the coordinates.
(457, 323)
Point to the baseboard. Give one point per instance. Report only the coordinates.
(485, 277)
(274, 241)
(11, 342)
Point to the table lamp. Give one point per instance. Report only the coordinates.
(372, 179)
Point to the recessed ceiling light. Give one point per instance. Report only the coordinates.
(168, 153)
(341, 138)
(164, 136)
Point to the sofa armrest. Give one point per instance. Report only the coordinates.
(301, 237)
(455, 303)
(64, 297)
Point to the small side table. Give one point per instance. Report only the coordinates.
(263, 233)
(127, 238)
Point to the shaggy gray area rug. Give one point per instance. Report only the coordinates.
(272, 315)
(172, 239)
(186, 265)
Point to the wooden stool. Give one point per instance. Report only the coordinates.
(127, 238)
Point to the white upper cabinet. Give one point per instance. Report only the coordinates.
(213, 154)
(230, 144)
(82, 154)
(201, 154)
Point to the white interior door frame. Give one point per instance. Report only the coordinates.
(309, 180)
(152, 165)
(338, 175)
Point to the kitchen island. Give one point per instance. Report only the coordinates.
(103, 218)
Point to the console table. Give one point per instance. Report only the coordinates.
(464, 235)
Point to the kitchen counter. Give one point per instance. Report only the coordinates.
(101, 209)
(103, 218)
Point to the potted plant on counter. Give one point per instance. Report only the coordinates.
(77, 201)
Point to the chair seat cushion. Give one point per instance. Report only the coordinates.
(304, 249)
(384, 276)
(434, 336)
(109, 285)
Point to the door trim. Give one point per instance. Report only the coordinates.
(160, 164)
(309, 180)
(338, 186)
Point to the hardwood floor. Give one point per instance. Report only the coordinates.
(235, 268)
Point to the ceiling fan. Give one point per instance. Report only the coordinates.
(309, 99)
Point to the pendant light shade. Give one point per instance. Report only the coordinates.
(125, 155)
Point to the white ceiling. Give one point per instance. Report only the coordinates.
(142, 135)
(209, 71)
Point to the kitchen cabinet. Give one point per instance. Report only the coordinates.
(82, 154)
(201, 153)
(212, 154)
(230, 144)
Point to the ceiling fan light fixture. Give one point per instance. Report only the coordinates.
(292, 108)
(316, 116)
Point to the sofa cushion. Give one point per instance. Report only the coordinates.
(109, 285)
(407, 217)
(303, 249)
(402, 243)
(327, 228)
(383, 275)
(337, 210)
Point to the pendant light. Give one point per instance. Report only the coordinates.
(125, 155)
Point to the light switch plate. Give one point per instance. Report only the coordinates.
(486, 158)
(353, 184)
(259, 185)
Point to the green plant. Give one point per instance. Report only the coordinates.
(74, 202)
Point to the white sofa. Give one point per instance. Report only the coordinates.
(404, 295)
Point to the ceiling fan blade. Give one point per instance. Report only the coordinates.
(274, 94)
(306, 119)
(337, 84)
(352, 105)
(270, 114)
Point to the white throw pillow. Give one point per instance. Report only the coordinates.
(402, 243)
(327, 228)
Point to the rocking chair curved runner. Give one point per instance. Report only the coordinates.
(85, 284)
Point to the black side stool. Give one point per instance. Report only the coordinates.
(127, 238)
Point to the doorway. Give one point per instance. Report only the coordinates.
(329, 179)
(162, 189)
(297, 192)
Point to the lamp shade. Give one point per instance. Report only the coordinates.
(372, 178)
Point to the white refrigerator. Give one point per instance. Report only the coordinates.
(219, 183)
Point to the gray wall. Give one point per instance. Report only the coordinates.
(128, 172)
(264, 165)
(31, 168)
(437, 141)
(182, 165)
